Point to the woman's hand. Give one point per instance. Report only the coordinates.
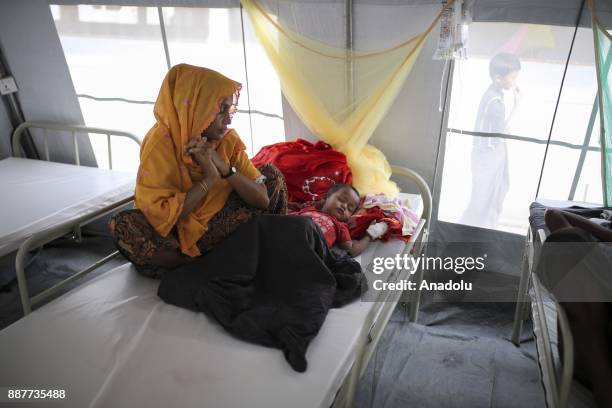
(209, 147)
(202, 153)
(214, 166)
(219, 163)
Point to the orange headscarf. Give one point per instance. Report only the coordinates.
(189, 100)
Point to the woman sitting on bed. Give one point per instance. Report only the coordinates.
(195, 183)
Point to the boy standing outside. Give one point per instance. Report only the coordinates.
(490, 179)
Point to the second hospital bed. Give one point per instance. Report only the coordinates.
(39, 194)
(112, 342)
(551, 326)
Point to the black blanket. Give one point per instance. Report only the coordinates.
(537, 211)
(271, 282)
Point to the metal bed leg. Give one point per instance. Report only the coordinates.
(519, 311)
(416, 300)
(23, 282)
(567, 373)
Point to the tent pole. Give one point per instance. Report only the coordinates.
(602, 133)
(350, 64)
(552, 124)
(587, 137)
(162, 28)
(246, 77)
(583, 151)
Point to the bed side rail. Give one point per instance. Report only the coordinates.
(561, 378)
(69, 228)
(567, 370)
(427, 209)
(373, 327)
(378, 316)
(74, 130)
(423, 187)
(557, 382)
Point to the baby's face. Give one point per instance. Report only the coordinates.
(342, 204)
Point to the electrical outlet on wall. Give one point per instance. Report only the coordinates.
(7, 85)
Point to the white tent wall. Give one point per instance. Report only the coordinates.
(35, 58)
(328, 27)
(294, 127)
(409, 133)
(154, 3)
(553, 12)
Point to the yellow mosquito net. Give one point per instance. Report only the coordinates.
(340, 94)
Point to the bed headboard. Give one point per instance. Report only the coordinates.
(423, 187)
(74, 130)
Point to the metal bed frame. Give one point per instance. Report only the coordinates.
(379, 316)
(371, 330)
(71, 228)
(556, 380)
(74, 130)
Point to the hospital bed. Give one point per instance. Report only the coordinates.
(550, 324)
(39, 195)
(112, 342)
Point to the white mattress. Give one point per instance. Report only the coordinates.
(38, 194)
(113, 343)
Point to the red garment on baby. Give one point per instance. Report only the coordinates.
(333, 230)
(361, 220)
(309, 169)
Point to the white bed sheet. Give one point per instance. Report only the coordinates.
(113, 343)
(38, 194)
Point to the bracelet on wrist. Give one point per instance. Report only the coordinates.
(204, 186)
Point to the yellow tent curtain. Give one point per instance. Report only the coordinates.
(341, 95)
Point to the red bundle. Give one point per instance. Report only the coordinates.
(309, 169)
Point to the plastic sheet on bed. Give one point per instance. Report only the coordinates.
(39, 194)
(113, 342)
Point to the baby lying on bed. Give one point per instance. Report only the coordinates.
(340, 203)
